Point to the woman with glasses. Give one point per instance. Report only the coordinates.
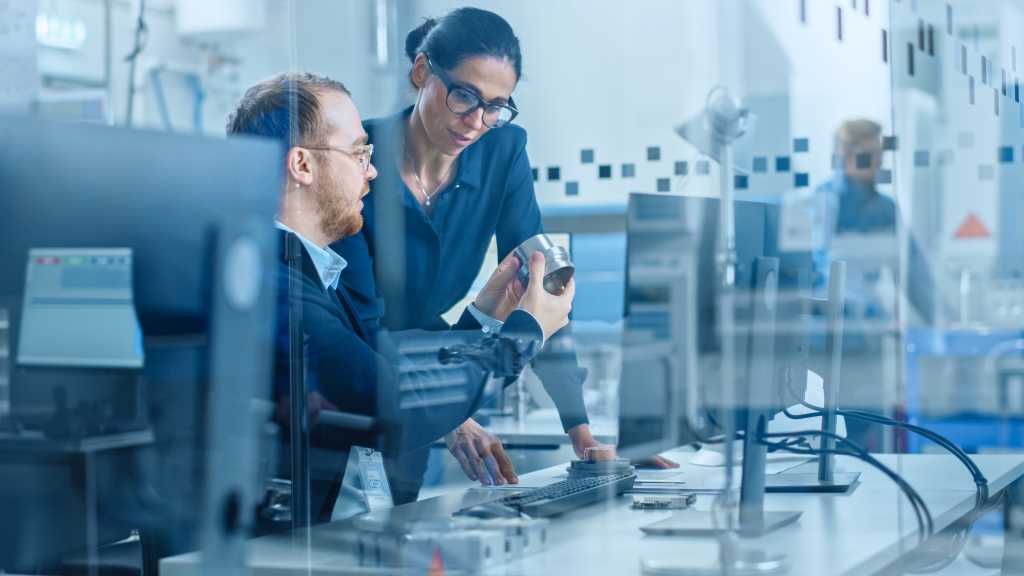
(455, 169)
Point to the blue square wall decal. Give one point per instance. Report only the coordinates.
(801, 145)
(587, 156)
(760, 165)
(664, 185)
(1006, 154)
(740, 182)
(554, 173)
(628, 170)
(801, 180)
(703, 167)
(604, 171)
(653, 153)
(572, 188)
(535, 176)
(682, 168)
(782, 163)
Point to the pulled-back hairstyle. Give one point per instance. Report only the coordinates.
(285, 108)
(464, 33)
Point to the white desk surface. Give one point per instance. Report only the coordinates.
(856, 533)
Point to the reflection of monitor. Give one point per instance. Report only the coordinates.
(68, 293)
(670, 387)
(196, 215)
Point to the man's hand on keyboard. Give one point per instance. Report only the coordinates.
(481, 455)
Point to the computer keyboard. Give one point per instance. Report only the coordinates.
(569, 494)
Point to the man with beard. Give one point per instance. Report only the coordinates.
(328, 169)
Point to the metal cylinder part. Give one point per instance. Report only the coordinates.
(558, 268)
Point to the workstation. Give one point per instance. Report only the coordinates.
(386, 287)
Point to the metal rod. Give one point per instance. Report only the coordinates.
(834, 353)
(298, 421)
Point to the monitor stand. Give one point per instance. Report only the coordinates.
(751, 519)
(804, 477)
(825, 479)
(811, 482)
(741, 563)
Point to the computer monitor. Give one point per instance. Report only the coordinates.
(195, 215)
(670, 391)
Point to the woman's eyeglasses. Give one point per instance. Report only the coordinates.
(462, 101)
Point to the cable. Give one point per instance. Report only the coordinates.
(141, 39)
(929, 557)
(980, 481)
(921, 512)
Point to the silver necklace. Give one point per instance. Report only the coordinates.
(423, 189)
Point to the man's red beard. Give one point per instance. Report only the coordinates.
(339, 217)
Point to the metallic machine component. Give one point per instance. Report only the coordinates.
(502, 356)
(558, 268)
(460, 543)
(578, 468)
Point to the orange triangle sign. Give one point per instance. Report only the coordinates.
(436, 564)
(972, 227)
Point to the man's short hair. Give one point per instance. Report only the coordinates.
(856, 135)
(286, 108)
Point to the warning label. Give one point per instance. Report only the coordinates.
(972, 227)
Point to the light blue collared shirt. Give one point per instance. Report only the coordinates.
(328, 263)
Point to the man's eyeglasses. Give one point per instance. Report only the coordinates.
(362, 154)
(462, 101)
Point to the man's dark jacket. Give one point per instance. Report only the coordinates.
(348, 363)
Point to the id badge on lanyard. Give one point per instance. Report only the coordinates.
(376, 490)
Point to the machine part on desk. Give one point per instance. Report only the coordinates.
(652, 502)
(670, 488)
(582, 468)
(558, 268)
(277, 501)
(601, 453)
(463, 543)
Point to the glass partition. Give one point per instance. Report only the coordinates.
(791, 227)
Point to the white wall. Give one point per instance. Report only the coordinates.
(617, 77)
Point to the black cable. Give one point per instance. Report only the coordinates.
(929, 559)
(922, 560)
(141, 39)
(980, 481)
(921, 512)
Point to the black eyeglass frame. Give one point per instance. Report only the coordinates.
(451, 86)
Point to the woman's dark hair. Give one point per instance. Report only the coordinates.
(464, 33)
